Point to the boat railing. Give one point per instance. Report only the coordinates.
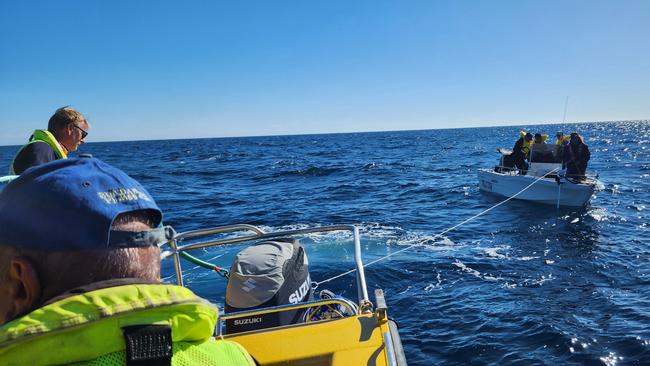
(538, 169)
(500, 168)
(250, 233)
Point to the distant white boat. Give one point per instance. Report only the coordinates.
(544, 173)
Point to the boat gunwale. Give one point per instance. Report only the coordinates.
(590, 181)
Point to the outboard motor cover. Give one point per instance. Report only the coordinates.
(268, 274)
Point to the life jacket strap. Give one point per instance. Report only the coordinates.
(148, 345)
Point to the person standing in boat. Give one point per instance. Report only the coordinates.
(576, 157)
(521, 150)
(541, 153)
(540, 138)
(66, 130)
(560, 139)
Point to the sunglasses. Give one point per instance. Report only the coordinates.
(84, 133)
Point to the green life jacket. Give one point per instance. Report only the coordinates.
(46, 137)
(87, 329)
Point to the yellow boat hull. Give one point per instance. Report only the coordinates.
(355, 340)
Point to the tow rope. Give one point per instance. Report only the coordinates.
(442, 232)
(225, 274)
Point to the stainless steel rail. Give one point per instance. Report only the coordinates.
(256, 234)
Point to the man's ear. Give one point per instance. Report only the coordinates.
(69, 129)
(24, 287)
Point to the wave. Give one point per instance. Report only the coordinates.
(312, 171)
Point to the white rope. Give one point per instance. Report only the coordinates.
(440, 233)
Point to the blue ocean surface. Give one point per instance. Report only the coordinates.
(525, 284)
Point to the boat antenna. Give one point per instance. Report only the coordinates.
(566, 103)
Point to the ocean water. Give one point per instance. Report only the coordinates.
(525, 284)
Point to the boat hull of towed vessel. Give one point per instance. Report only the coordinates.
(545, 190)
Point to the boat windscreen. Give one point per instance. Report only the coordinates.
(545, 153)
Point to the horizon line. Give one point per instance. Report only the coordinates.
(350, 132)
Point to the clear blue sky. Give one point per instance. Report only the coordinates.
(157, 69)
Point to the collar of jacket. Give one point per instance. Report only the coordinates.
(47, 137)
(86, 326)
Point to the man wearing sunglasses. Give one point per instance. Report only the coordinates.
(66, 130)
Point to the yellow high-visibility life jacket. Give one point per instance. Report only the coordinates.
(89, 328)
(525, 148)
(544, 138)
(561, 141)
(46, 137)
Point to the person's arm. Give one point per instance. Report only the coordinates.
(518, 147)
(32, 155)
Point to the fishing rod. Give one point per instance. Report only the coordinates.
(566, 103)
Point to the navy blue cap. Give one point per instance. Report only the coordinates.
(71, 204)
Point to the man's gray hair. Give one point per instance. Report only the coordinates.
(64, 270)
